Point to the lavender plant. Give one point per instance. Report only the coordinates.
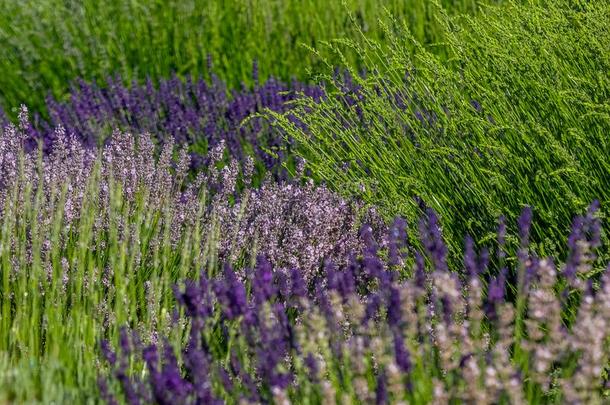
(386, 328)
(191, 111)
(92, 239)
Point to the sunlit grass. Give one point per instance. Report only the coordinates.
(519, 114)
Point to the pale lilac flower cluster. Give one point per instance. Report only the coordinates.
(294, 225)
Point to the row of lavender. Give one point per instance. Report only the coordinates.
(190, 111)
(297, 224)
(201, 114)
(377, 330)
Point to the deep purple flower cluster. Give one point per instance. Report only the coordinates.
(192, 111)
(365, 332)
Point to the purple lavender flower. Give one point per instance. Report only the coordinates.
(495, 293)
(105, 394)
(381, 393)
(524, 223)
(231, 293)
(483, 261)
(342, 281)
(190, 111)
(432, 239)
(195, 298)
(593, 224)
(583, 240)
(107, 352)
(271, 342)
(129, 388)
(397, 241)
(168, 386)
(394, 308)
(262, 286)
(372, 308)
(470, 260)
(401, 353)
(312, 366)
(420, 271)
(298, 288)
(476, 105)
(366, 234)
(248, 381)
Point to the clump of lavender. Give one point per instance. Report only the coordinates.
(93, 238)
(296, 226)
(367, 333)
(192, 112)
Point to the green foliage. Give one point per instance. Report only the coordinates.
(45, 45)
(538, 137)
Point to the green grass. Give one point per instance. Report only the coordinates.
(46, 44)
(541, 139)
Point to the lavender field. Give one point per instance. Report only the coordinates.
(294, 202)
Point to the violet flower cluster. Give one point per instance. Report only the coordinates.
(385, 328)
(191, 111)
